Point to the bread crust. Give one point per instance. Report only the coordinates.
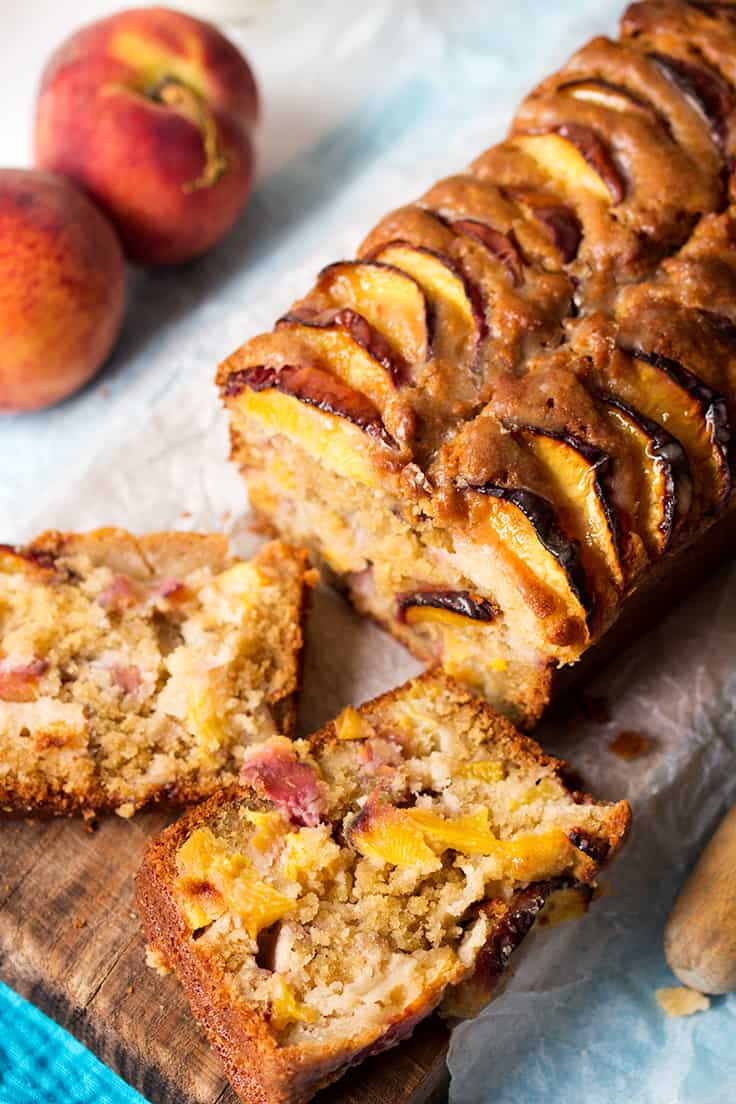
(143, 557)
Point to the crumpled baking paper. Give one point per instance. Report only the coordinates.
(365, 106)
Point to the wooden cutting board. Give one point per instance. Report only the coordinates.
(71, 944)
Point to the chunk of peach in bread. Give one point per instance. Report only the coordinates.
(444, 607)
(423, 871)
(135, 670)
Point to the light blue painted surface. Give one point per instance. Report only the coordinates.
(179, 324)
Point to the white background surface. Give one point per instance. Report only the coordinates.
(366, 104)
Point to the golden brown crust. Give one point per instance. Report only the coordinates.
(159, 556)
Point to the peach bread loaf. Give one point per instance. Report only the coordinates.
(139, 669)
(495, 425)
(357, 880)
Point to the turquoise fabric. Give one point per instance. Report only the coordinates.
(41, 1064)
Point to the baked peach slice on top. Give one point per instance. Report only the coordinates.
(423, 227)
(665, 486)
(504, 247)
(510, 541)
(353, 349)
(576, 471)
(456, 301)
(558, 220)
(577, 158)
(448, 237)
(692, 51)
(624, 143)
(341, 427)
(702, 87)
(620, 77)
(391, 301)
(466, 203)
(523, 529)
(652, 314)
(673, 397)
(613, 97)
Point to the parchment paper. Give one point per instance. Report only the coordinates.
(365, 107)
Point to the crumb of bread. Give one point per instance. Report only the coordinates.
(629, 745)
(156, 961)
(562, 906)
(676, 1000)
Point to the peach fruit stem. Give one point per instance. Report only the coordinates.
(188, 103)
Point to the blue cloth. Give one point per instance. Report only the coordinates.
(41, 1064)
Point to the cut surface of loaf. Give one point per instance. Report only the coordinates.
(517, 401)
(359, 879)
(139, 669)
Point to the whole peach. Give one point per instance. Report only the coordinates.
(62, 288)
(151, 111)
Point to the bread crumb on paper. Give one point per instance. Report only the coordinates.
(679, 1001)
(562, 906)
(629, 745)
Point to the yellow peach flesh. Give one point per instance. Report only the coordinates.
(445, 291)
(564, 163)
(285, 1008)
(331, 440)
(204, 857)
(389, 300)
(343, 355)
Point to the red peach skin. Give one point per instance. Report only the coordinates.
(151, 111)
(62, 289)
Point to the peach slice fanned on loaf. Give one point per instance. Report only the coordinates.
(357, 880)
(136, 670)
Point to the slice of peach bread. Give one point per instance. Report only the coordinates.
(135, 670)
(357, 880)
